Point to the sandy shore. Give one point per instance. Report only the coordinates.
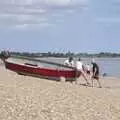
(29, 98)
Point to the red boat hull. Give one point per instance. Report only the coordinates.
(40, 72)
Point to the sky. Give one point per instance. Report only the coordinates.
(60, 25)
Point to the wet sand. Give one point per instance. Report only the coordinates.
(29, 98)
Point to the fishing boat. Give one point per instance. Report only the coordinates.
(36, 68)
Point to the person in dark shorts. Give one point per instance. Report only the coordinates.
(95, 72)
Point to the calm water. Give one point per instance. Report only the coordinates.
(111, 66)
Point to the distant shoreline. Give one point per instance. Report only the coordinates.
(68, 54)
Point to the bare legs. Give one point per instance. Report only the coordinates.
(78, 73)
(98, 81)
(82, 73)
(100, 86)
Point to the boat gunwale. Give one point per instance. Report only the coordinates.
(40, 67)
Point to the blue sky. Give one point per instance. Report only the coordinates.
(60, 25)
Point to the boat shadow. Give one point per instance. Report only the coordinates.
(48, 78)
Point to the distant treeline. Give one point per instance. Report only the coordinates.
(68, 54)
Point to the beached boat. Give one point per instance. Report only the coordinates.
(37, 70)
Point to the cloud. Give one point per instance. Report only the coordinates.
(108, 20)
(44, 2)
(23, 14)
(31, 26)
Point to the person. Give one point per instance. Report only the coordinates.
(95, 72)
(4, 55)
(88, 69)
(80, 70)
(69, 62)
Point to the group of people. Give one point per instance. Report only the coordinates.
(85, 70)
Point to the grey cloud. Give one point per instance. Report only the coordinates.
(108, 20)
(26, 12)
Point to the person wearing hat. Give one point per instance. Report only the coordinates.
(69, 62)
(95, 72)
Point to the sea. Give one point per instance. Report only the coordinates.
(108, 66)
